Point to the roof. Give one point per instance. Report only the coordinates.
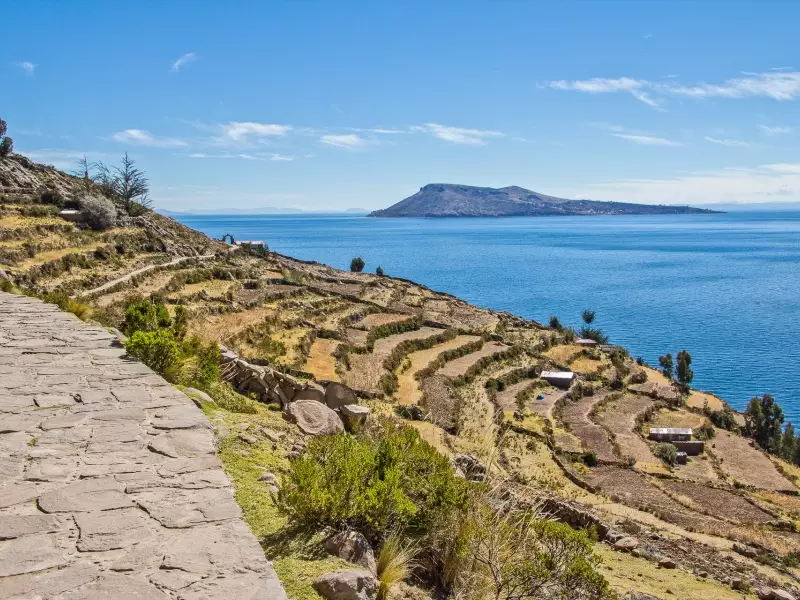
(250, 242)
(557, 374)
(68, 211)
(671, 430)
(585, 342)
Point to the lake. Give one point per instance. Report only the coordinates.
(726, 287)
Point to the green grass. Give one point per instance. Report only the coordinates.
(298, 556)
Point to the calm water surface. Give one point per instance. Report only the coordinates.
(725, 287)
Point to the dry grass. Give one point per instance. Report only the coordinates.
(377, 319)
(384, 346)
(656, 376)
(214, 288)
(408, 391)
(321, 363)
(365, 372)
(585, 365)
(698, 399)
(461, 365)
(44, 257)
(628, 573)
(19, 222)
(221, 328)
(563, 353)
(676, 418)
(619, 417)
(747, 465)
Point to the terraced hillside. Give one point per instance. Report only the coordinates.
(466, 377)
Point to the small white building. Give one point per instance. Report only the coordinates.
(69, 214)
(586, 342)
(250, 243)
(562, 379)
(670, 434)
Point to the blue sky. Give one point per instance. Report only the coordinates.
(331, 105)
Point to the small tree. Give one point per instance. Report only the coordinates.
(684, 373)
(588, 316)
(554, 322)
(82, 171)
(6, 143)
(132, 187)
(379, 271)
(788, 442)
(357, 265)
(764, 418)
(667, 366)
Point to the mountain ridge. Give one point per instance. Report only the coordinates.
(455, 200)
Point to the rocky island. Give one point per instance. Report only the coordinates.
(358, 421)
(451, 200)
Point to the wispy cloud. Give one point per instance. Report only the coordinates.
(780, 85)
(459, 135)
(777, 130)
(648, 36)
(186, 58)
(243, 156)
(145, 138)
(243, 132)
(349, 141)
(727, 142)
(27, 66)
(647, 140)
(764, 183)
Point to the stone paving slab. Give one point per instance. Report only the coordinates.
(109, 482)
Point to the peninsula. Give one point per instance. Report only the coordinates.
(453, 200)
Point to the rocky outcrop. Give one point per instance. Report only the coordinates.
(350, 584)
(354, 416)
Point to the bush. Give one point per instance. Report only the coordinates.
(6, 146)
(157, 349)
(387, 479)
(145, 315)
(357, 265)
(53, 197)
(590, 458)
(639, 376)
(666, 452)
(724, 419)
(98, 212)
(379, 271)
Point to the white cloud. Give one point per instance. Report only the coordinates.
(764, 183)
(777, 130)
(459, 135)
(778, 85)
(646, 140)
(186, 58)
(244, 156)
(350, 141)
(246, 131)
(727, 142)
(145, 138)
(28, 67)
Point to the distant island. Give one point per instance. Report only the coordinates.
(452, 200)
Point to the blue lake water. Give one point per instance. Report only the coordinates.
(725, 287)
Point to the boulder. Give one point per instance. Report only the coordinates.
(352, 547)
(470, 466)
(338, 395)
(269, 478)
(780, 595)
(350, 584)
(196, 394)
(626, 544)
(667, 563)
(353, 416)
(311, 391)
(314, 418)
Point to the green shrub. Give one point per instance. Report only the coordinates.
(157, 349)
(379, 271)
(386, 479)
(53, 197)
(6, 146)
(357, 265)
(146, 315)
(666, 452)
(590, 458)
(639, 376)
(98, 212)
(199, 365)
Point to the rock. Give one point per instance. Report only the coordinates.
(470, 466)
(626, 544)
(338, 395)
(737, 583)
(311, 391)
(457, 472)
(292, 455)
(636, 553)
(350, 584)
(248, 438)
(353, 416)
(268, 478)
(667, 563)
(196, 394)
(745, 551)
(352, 547)
(314, 418)
(781, 595)
(227, 355)
(271, 435)
(764, 593)
(703, 574)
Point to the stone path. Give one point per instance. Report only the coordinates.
(109, 482)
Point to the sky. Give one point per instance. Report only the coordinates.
(333, 105)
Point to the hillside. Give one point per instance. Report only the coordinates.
(469, 380)
(450, 200)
